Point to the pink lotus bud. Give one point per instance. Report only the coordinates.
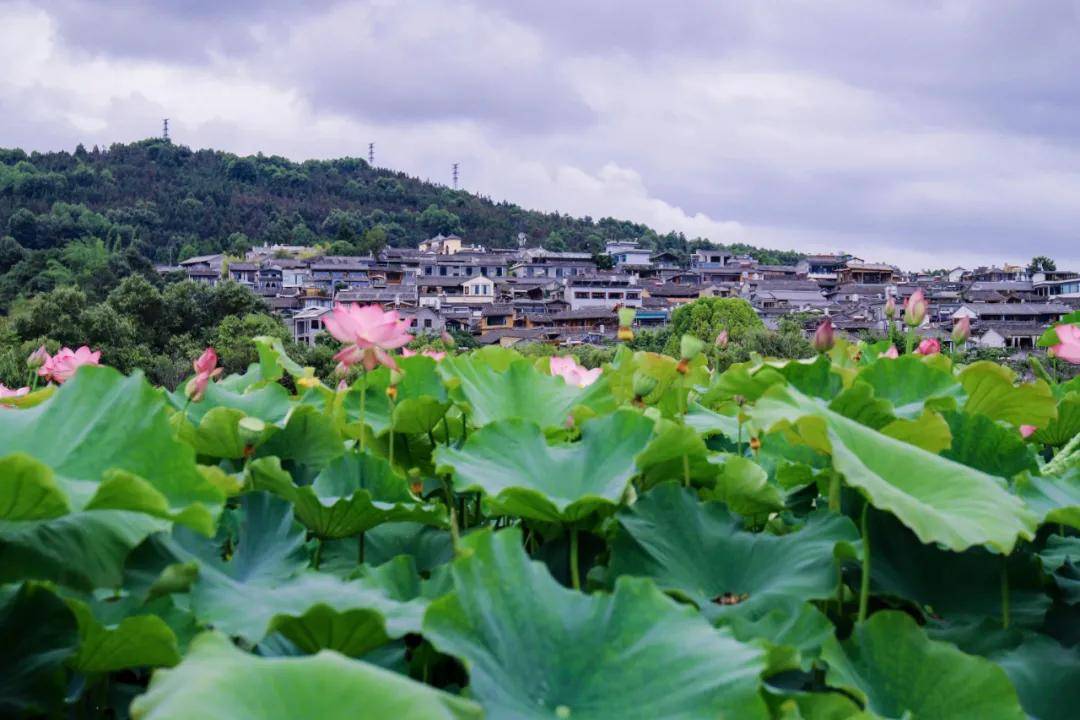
(890, 307)
(892, 353)
(961, 331)
(447, 339)
(824, 337)
(915, 309)
(1027, 430)
(207, 362)
(722, 339)
(38, 358)
(929, 346)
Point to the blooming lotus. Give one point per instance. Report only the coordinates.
(722, 339)
(205, 369)
(892, 353)
(1068, 347)
(574, 374)
(61, 366)
(369, 333)
(824, 337)
(929, 346)
(427, 352)
(915, 309)
(6, 392)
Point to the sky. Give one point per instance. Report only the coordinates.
(927, 134)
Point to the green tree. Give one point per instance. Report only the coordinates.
(1041, 263)
(706, 317)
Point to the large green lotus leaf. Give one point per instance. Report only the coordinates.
(814, 377)
(954, 588)
(217, 681)
(84, 550)
(309, 438)
(265, 587)
(534, 649)
(520, 392)
(1061, 556)
(267, 402)
(981, 443)
(991, 391)
(216, 435)
(670, 394)
(38, 634)
(859, 403)
(816, 706)
(1045, 675)
(971, 508)
(708, 422)
(744, 486)
(354, 493)
(676, 452)
(428, 547)
(747, 380)
(274, 362)
(909, 383)
(1054, 498)
(1066, 425)
(107, 440)
(890, 664)
(667, 532)
(108, 644)
(512, 463)
(792, 632)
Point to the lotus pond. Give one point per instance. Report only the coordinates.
(854, 536)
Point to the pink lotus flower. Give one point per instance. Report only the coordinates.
(1068, 347)
(38, 358)
(892, 353)
(890, 307)
(824, 336)
(6, 392)
(205, 369)
(1027, 430)
(368, 332)
(427, 352)
(61, 366)
(961, 330)
(915, 309)
(574, 374)
(929, 346)
(722, 339)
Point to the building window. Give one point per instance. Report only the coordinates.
(427, 322)
(581, 295)
(442, 270)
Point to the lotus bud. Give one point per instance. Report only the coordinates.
(755, 443)
(626, 319)
(824, 337)
(892, 353)
(722, 339)
(38, 358)
(644, 384)
(929, 346)
(961, 331)
(890, 307)
(307, 381)
(447, 339)
(915, 309)
(689, 348)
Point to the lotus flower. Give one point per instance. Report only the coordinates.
(892, 353)
(61, 366)
(722, 339)
(38, 358)
(6, 392)
(205, 369)
(1068, 347)
(915, 309)
(961, 331)
(574, 374)
(427, 352)
(824, 337)
(1027, 430)
(369, 333)
(929, 346)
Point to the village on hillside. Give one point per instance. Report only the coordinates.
(503, 296)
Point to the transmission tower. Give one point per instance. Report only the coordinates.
(455, 171)
(371, 153)
(165, 128)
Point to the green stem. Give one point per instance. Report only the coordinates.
(575, 575)
(834, 492)
(686, 470)
(1005, 592)
(909, 341)
(391, 432)
(478, 518)
(316, 558)
(363, 404)
(360, 548)
(864, 588)
(454, 535)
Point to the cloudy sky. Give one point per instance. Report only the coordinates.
(919, 132)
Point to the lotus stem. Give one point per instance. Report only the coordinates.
(686, 470)
(454, 535)
(1005, 592)
(864, 585)
(360, 548)
(316, 557)
(363, 404)
(575, 575)
(391, 433)
(834, 492)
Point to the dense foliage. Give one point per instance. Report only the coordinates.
(846, 536)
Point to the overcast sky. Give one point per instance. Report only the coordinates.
(924, 133)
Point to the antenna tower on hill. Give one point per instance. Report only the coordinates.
(371, 153)
(165, 128)
(455, 169)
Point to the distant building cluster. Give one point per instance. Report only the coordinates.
(505, 296)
